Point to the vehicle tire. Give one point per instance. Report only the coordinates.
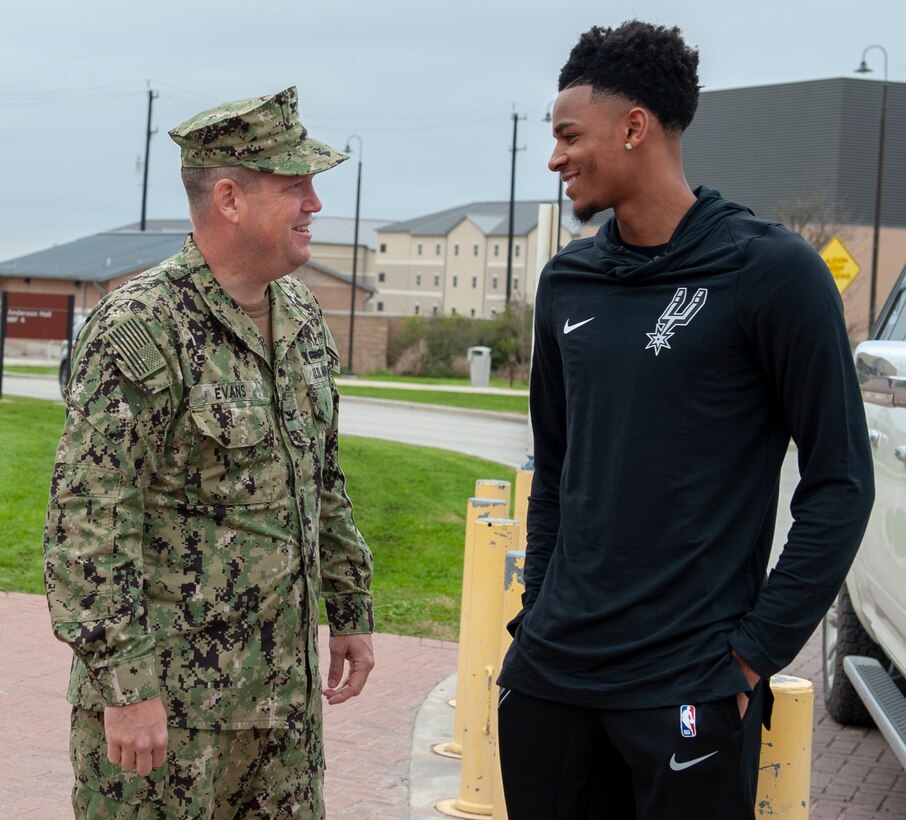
(64, 374)
(843, 635)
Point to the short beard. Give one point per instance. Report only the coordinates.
(586, 214)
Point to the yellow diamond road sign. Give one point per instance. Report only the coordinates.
(841, 263)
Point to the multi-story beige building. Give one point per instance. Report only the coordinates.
(455, 261)
(332, 239)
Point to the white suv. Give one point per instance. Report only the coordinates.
(864, 633)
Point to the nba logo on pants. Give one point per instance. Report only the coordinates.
(687, 721)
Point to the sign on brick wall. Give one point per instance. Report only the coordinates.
(38, 315)
(34, 316)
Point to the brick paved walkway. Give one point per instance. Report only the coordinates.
(854, 774)
(368, 740)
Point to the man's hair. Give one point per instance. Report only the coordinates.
(649, 65)
(199, 183)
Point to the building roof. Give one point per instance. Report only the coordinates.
(328, 230)
(491, 218)
(359, 282)
(340, 230)
(121, 251)
(97, 258)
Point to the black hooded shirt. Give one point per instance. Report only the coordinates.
(664, 395)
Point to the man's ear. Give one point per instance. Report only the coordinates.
(225, 199)
(637, 121)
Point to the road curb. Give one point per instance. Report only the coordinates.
(434, 408)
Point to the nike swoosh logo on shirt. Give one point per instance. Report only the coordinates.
(568, 328)
(678, 767)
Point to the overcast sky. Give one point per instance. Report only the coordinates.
(429, 85)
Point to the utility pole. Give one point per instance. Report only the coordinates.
(355, 245)
(152, 95)
(509, 250)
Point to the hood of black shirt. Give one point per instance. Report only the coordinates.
(698, 245)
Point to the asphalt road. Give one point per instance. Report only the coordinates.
(493, 436)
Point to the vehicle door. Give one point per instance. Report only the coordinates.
(878, 578)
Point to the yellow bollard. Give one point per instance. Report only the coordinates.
(785, 770)
(475, 509)
(494, 538)
(513, 587)
(488, 488)
(520, 502)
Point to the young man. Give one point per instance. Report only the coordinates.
(197, 507)
(677, 352)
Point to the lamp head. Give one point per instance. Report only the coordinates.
(862, 69)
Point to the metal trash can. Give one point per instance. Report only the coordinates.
(480, 366)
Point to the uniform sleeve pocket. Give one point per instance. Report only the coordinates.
(81, 537)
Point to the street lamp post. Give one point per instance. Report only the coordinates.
(879, 186)
(355, 246)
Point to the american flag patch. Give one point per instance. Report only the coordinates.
(130, 339)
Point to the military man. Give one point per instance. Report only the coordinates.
(197, 507)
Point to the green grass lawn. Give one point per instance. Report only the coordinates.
(29, 431)
(31, 370)
(474, 401)
(410, 504)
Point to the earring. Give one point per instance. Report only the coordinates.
(628, 146)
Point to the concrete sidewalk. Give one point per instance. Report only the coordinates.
(380, 766)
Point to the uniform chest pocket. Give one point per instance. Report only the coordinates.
(308, 404)
(234, 459)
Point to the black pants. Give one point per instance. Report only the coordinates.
(563, 762)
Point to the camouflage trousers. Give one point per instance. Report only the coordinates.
(249, 773)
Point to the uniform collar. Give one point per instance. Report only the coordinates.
(288, 314)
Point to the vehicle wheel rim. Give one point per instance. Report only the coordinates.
(831, 636)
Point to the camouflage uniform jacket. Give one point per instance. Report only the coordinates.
(197, 508)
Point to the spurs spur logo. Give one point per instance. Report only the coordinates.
(677, 314)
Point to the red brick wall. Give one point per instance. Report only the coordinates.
(369, 342)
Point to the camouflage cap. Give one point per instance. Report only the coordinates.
(261, 133)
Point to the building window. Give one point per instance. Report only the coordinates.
(472, 313)
(474, 250)
(496, 249)
(474, 281)
(494, 282)
(453, 310)
(436, 280)
(434, 311)
(515, 283)
(419, 249)
(455, 281)
(380, 307)
(418, 278)
(456, 250)
(437, 249)
(383, 247)
(417, 308)
(382, 277)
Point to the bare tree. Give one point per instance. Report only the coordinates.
(818, 218)
(815, 216)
